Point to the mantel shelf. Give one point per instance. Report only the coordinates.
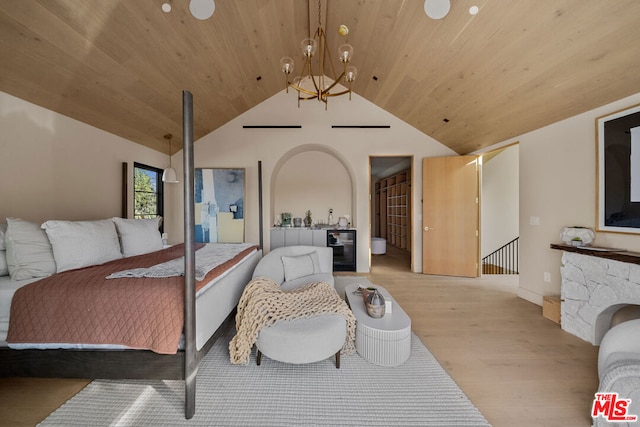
(622, 256)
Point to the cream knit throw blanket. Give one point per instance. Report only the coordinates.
(263, 303)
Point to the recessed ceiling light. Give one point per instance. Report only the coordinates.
(202, 9)
(166, 7)
(473, 10)
(437, 9)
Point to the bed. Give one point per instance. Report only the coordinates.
(94, 307)
(216, 297)
(205, 307)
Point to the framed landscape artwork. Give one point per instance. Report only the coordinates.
(219, 205)
(618, 171)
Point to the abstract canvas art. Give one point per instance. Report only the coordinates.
(219, 205)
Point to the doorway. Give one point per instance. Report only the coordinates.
(500, 215)
(391, 201)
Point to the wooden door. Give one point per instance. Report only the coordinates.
(450, 216)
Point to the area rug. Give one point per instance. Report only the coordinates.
(417, 393)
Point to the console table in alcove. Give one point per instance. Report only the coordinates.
(343, 242)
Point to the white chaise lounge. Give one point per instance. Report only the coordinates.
(304, 340)
(291, 271)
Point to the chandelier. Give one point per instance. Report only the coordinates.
(312, 83)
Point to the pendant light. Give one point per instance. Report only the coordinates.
(169, 175)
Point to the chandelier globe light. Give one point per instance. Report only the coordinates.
(312, 82)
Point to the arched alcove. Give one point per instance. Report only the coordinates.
(313, 177)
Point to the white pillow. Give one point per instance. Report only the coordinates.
(300, 266)
(28, 250)
(78, 244)
(3, 230)
(4, 268)
(139, 236)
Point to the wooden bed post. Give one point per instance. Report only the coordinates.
(190, 361)
(260, 225)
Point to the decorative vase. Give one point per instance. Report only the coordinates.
(365, 293)
(375, 304)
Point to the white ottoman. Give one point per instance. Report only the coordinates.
(378, 246)
(384, 341)
(304, 340)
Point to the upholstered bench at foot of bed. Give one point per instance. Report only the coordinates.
(304, 340)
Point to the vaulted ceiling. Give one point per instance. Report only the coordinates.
(467, 81)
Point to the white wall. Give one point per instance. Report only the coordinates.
(315, 181)
(558, 186)
(233, 146)
(500, 199)
(54, 167)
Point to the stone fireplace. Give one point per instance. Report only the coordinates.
(595, 285)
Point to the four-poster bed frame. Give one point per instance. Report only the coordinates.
(135, 364)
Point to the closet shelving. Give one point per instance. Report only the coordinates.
(393, 210)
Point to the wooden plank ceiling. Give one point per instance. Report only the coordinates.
(121, 65)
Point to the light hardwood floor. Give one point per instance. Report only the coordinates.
(517, 367)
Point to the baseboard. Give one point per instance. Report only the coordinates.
(530, 296)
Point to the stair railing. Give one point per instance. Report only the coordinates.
(503, 260)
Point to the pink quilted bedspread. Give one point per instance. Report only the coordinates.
(81, 306)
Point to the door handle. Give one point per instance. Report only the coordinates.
(427, 228)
